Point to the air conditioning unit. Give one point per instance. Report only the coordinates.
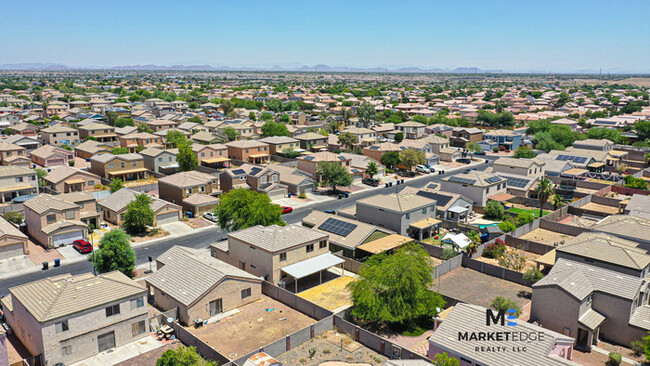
(282, 284)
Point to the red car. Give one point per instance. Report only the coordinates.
(286, 209)
(82, 246)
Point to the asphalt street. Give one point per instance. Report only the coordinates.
(204, 238)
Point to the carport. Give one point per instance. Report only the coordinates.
(310, 266)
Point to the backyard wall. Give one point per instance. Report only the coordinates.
(295, 302)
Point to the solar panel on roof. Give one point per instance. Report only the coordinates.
(493, 179)
(441, 200)
(337, 227)
(309, 158)
(341, 157)
(517, 182)
(461, 180)
(374, 147)
(239, 171)
(255, 170)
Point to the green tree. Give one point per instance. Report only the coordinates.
(399, 137)
(115, 185)
(41, 174)
(395, 288)
(143, 127)
(123, 122)
(174, 138)
(366, 113)
(333, 175)
(119, 150)
(473, 146)
(271, 128)
(557, 201)
(524, 152)
(507, 226)
(442, 359)
(642, 129)
(252, 116)
(230, 133)
(390, 159)
(138, 215)
(227, 107)
(183, 356)
(411, 157)
(114, 253)
(647, 347)
(186, 158)
(494, 210)
(14, 217)
(111, 117)
(348, 140)
(290, 153)
(242, 208)
(525, 218)
(532, 275)
(544, 190)
(372, 169)
(502, 303)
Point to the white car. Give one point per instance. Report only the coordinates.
(422, 169)
(210, 216)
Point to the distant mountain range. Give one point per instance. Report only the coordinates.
(274, 68)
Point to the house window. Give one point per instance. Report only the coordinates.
(112, 310)
(274, 178)
(137, 303)
(81, 205)
(91, 182)
(69, 215)
(283, 257)
(170, 158)
(263, 180)
(122, 165)
(322, 244)
(138, 328)
(61, 326)
(424, 210)
(246, 293)
(66, 350)
(310, 248)
(51, 219)
(135, 163)
(408, 216)
(19, 179)
(111, 166)
(160, 160)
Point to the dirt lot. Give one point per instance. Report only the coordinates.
(252, 328)
(545, 236)
(331, 349)
(474, 287)
(530, 259)
(330, 295)
(600, 208)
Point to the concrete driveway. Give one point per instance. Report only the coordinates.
(13, 265)
(176, 228)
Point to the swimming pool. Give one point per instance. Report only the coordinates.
(483, 226)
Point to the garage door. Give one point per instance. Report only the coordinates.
(67, 238)
(12, 250)
(307, 188)
(167, 218)
(277, 194)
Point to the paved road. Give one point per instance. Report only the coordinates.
(203, 238)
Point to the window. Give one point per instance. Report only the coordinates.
(66, 350)
(310, 248)
(283, 257)
(137, 303)
(263, 180)
(51, 219)
(113, 310)
(91, 183)
(160, 160)
(19, 179)
(33, 177)
(246, 293)
(322, 244)
(61, 326)
(274, 178)
(69, 215)
(111, 166)
(202, 154)
(408, 216)
(135, 163)
(170, 158)
(424, 210)
(122, 165)
(81, 205)
(138, 328)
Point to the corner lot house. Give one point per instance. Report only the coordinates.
(279, 254)
(506, 139)
(477, 186)
(65, 179)
(17, 181)
(12, 241)
(216, 286)
(179, 187)
(53, 221)
(113, 208)
(67, 318)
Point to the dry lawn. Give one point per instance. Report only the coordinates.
(545, 236)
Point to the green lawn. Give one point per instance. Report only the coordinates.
(534, 211)
(414, 328)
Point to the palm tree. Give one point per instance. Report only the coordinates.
(544, 191)
(557, 201)
(475, 237)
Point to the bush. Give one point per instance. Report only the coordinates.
(614, 359)
(637, 183)
(507, 226)
(525, 218)
(494, 210)
(494, 249)
(448, 253)
(14, 217)
(502, 303)
(638, 347)
(533, 275)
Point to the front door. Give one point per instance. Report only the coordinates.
(242, 265)
(216, 307)
(582, 339)
(106, 341)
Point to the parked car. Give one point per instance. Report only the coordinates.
(373, 182)
(286, 209)
(464, 161)
(210, 216)
(82, 246)
(480, 153)
(432, 169)
(333, 212)
(422, 169)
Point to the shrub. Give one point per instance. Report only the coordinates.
(502, 303)
(14, 217)
(512, 259)
(614, 359)
(637, 183)
(507, 226)
(525, 218)
(71, 162)
(312, 352)
(494, 210)
(638, 347)
(448, 253)
(327, 351)
(494, 249)
(533, 275)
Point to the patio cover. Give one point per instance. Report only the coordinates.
(74, 181)
(501, 197)
(460, 240)
(574, 171)
(458, 209)
(425, 223)
(547, 260)
(312, 265)
(386, 243)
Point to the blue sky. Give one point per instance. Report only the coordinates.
(510, 35)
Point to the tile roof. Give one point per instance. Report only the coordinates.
(105, 158)
(181, 263)
(397, 202)
(188, 179)
(7, 228)
(276, 238)
(607, 248)
(625, 226)
(57, 297)
(119, 200)
(44, 202)
(519, 163)
(64, 172)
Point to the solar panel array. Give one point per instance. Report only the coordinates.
(573, 158)
(308, 158)
(256, 170)
(441, 200)
(461, 180)
(517, 182)
(493, 179)
(337, 227)
(238, 171)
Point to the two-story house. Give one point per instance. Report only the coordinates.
(278, 144)
(49, 156)
(378, 150)
(462, 135)
(87, 149)
(365, 136)
(213, 155)
(25, 129)
(133, 140)
(13, 242)
(66, 319)
(124, 166)
(251, 151)
(28, 142)
(160, 161)
(197, 192)
(506, 139)
(437, 143)
(11, 154)
(65, 179)
(58, 135)
(17, 181)
(99, 131)
(113, 208)
(88, 210)
(522, 174)
(280, 254)
(161, 124)
(309, 163)
(475, 185)
(411, 130)
(260, 179)
(431, 158)
(312, 141)
(54, 221)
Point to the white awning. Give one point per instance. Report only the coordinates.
(458, 209)
(460, 240)
(312, 265)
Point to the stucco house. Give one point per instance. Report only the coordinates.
(475, 185)
(54, 221)
(113, 208)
